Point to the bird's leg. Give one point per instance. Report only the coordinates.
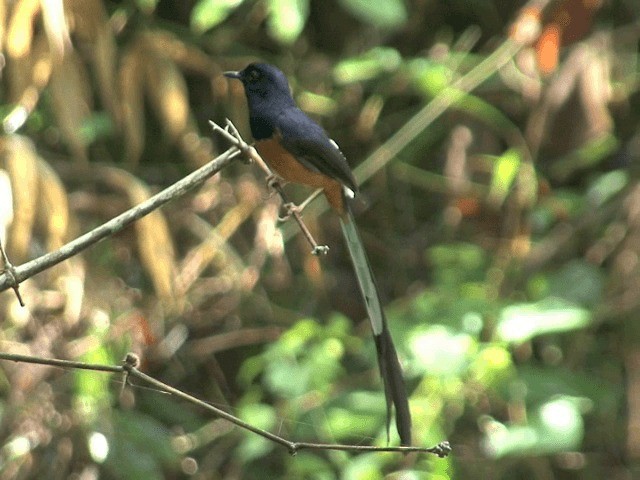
(274, 182)
(290, 207)
(230, 132)
(294, 210)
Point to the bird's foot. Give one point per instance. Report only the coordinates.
(290, 209)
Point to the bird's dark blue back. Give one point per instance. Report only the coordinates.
(273, 112)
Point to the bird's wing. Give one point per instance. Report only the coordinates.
(312, 147)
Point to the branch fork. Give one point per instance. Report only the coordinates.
(10, 271)
(231, 134)
(129, 368)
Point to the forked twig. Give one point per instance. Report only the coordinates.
(10, 271)
(130, 366)
(230, 133)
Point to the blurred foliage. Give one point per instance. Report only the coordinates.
(497, 144)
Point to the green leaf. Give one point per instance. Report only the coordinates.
(564, 203)
(208, 13)
(505, 169)
(259, 415)
(287, 377)
(347, 424)
(287, 19)
(364, 467)
(520, 322)
(313, 368)
(606, 186)
(430, 77)
(542, 383)
(93, 393)
(251, 369)
(295, 340)
(455, 265)
(556, 427)
(98, 125)
(147, 6)
(439, 351)
(139, 447)
(586, 157)
(492, 365)
(262, 416)
(316, 104)
(387, 14)
(310, 465)
(371, 64)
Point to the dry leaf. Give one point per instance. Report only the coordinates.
(71, 97)
(185, 55)
(167, 91)
(53, 213)
(6, 205)
(131, 83)
(20, 29)
(3, 24)
(20, 161)
(27, 77)
(53, 206)
(215, 245)
(55, 27)
(104, 60)
(152, 233)
(91, 25)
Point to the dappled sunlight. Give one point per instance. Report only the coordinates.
(493, 147)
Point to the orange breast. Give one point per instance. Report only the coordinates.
(289, 168)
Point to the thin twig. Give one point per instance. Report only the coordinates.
(118, 223)
(10, 271)
(54, 362)
(130, 368)
(230, 132)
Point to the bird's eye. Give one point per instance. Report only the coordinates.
(254, 75)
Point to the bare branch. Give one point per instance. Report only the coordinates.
(118, 223)
(54, 362)
(130, 367)
(10, 271)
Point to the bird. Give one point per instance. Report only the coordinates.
(299, 150)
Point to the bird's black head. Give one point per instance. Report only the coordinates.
(263, 81)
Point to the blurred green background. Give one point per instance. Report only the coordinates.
(496, 143)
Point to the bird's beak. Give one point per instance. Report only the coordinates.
(233, 74)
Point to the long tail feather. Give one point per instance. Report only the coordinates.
(390, 370)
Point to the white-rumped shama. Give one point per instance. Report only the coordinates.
(300, 151)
